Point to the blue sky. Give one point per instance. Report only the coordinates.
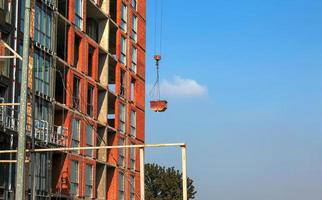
(244, 85)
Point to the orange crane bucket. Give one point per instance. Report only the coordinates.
(159, 106)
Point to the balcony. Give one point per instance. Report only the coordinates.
(9, 118)
(50, 134)
(45, 133)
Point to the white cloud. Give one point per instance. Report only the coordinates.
(182, 87)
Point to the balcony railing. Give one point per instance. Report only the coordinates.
(50, 134)
(44, 131)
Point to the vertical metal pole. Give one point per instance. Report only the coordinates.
(142, 182)
(20, 175)
(13, 92)
(184, 172)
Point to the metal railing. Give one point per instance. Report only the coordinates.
(44, 131)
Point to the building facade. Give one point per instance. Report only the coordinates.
(86, 87)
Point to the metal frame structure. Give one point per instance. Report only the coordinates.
(142, 147)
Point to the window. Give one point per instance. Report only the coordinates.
(41, 172)
(133, 123)
(121, 186)
(76, 50)
(124, 17)
(123, 51)
(43, 25)
(134, 28)
(134, 4)
(76, 89)
(79, 13)
(74, 178)
(89, 181)
(90, 102)
(132, 182)
(122, 119)
(92, 28)
(134, 59)
(89, 140)
(132, 158)
(90, 61)
(75, 133)
(132, 90)
(121, 153)
(42, 110)
(42, 68)
(122, 84)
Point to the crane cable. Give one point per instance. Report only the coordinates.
(155, 91)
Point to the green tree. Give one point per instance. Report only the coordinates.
(163, 183)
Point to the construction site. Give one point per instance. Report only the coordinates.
(85, 88)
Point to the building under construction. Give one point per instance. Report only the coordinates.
(86, 87)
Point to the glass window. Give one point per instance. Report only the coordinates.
(89, 181)
(132, 90)
(90, 102)
(123, 51)
(75, 133)
(76, 89)
(134, 59)
(74, 178)
(43, 26)
(124, 17)
(133, 123)
(121, 152)
(134, 28)
(121, 186)
(132, 183)
(134, 4)
(132, 158)
(122, 85)
(122, 119)
(41, 172)
(42, 69)
(42, 110)
(89, 140)
(79, 13)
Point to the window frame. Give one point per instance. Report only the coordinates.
(134, 59)
(76, 91)
(72, 181)
(79, 17)
(123, 50)
(134, 4)
(90, 99)
(121, 186)
(121, 152)
(124, 17)
(122, 118)
(76, 140)
(132, 188)
(134, 34)
(132, 158)
(87, 184)
(43, 27)
(133, 123)
(89, 153)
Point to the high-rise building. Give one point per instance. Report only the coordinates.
(86, 87)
